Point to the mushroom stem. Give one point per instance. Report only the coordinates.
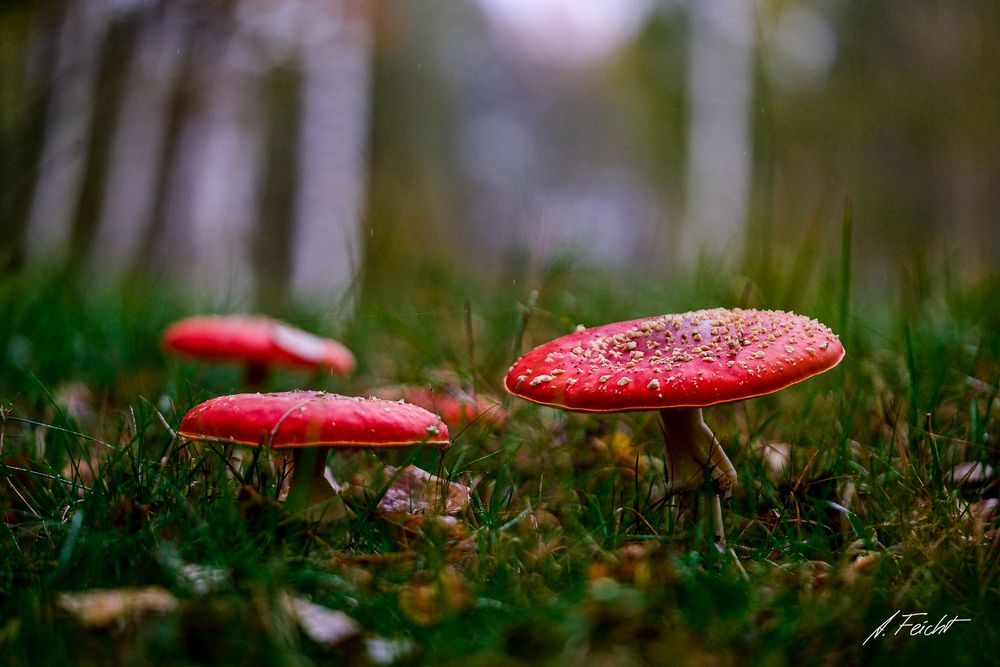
(693, 452)
(255, 375)
(309, 491)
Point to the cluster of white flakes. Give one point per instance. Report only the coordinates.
(542, 378)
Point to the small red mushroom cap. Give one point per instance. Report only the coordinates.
(255, 339)
(312, 418)
(456, 407)
(693, 359)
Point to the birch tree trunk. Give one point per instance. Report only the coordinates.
(326, 243)
(136, 166)
(67, 125)
(719, 158)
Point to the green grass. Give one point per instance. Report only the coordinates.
(566, 554)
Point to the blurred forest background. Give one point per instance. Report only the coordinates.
(274, 151)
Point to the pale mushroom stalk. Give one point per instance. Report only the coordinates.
(692, 451)
(310, 491)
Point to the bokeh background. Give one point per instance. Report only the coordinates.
(263, 152)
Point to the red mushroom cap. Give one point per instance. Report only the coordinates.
(455, 406)
(691, 359)
(255, 339)
(312, 418)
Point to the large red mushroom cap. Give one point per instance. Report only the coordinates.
(693, 359)
(255, 339)
(312, 418)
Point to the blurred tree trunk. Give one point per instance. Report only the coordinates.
(25, 62)
(332, 164)
(68, 121)
(220, 146)
(211, 203)
(141, 150)
(720, 84)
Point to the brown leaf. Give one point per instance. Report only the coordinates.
(104, 608)
(426, 601)
(984, 509)
(864, 564)
(641, 564)
(622, 451)
(417, 492)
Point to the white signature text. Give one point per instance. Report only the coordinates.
(914, 625)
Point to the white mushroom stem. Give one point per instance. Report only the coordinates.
(692, 452)
(309, 491)
(692, 449)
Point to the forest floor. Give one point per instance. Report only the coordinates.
(855, 518)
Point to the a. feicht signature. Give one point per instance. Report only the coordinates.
(914, 625)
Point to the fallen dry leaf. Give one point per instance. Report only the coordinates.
(203, 578)
(984, 509)
(641, 564)
(864, 564)
(105, 608)
(382, 651)
(417, 492)
(327, 627)
(623, 452)
(970, 473)
(425, 601)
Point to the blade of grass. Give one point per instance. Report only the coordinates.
(937, 479)
(846, 234)
(72, 536)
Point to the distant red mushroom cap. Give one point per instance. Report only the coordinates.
(255, 339)
(692, 359)
(312, 418)
(456, 407)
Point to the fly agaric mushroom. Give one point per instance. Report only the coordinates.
(456, 407)
(678, 364)
(258, 341)
(310, 423)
